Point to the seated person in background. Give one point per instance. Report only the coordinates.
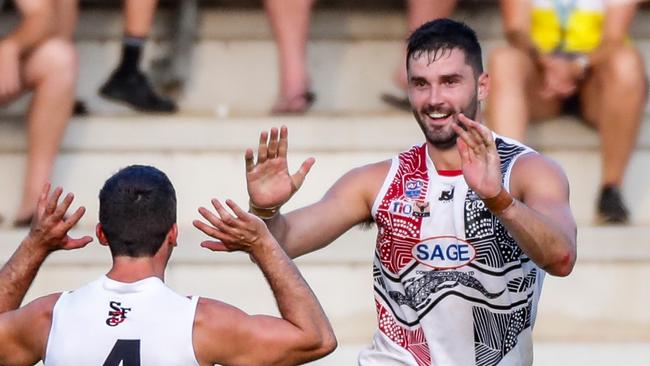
(129, 316)
(572, 56)
(35, 58)
(128, 84)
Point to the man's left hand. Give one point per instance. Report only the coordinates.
(480, 161)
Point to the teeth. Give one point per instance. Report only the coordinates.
(438, 115)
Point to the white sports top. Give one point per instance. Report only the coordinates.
(112, 323)
(452, 287)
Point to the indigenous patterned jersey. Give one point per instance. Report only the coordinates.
(452, 287)
(112, 323)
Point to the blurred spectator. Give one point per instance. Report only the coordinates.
(290, 25)
(418, 13)
(572, 56)
(34, 58)
(128, 84)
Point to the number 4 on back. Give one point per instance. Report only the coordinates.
(126, 351)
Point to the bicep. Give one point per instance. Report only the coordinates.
(23, 332)
(229, 336)
(548, 193)
(347, 203)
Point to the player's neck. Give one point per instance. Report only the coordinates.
(129, 269)
(444, 159)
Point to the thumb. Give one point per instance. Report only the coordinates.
(299, 177)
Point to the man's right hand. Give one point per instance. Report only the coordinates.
(268, 180)
(242, 232)
(50, 226)
(9, 71)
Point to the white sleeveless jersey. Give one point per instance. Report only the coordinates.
(112, 323)
(452, 287)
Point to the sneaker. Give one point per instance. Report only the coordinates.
(611, 209)
(135, 90)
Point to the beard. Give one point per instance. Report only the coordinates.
(444, 137)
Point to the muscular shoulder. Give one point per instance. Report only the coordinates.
(535, 173)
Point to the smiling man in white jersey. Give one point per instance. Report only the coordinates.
(468, 222)
(129, 317)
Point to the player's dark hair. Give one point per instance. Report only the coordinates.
(439, 37)
(137, 208)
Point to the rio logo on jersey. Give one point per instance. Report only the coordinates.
(117, 314)
(410, 208)
(444, 252)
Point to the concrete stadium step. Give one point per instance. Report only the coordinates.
(351, 56)
(203, 155)
(603, 300)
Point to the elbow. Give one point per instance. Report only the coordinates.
(325, 344)
(563, 265)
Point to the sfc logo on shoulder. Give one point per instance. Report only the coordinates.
(444, 252)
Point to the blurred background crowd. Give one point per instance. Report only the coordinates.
(573, 57)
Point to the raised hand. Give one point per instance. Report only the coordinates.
(241, 232)
(268, 180)
(480, 161)
(50, 226)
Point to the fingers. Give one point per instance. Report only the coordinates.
(241, 214)
(262, 148)
(299, 177)
(42, 199)
(273, 144)
(248, 158)
(73, 219)
(215, 246)
(53, 200)
(477, 136)
(211, 231)
(78, 243)
(284, 142)
(61, 209)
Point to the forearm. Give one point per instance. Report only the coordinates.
(548, 244)
(18, 273)
(296, 301)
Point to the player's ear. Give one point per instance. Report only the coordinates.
(482, 86)
(101, 235)
(172, 235)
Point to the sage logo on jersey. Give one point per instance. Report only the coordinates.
(444, 252)
(117, 314)
(413, 188)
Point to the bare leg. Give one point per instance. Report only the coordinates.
(418, 13)
(613, 98)
(514, 97)
(51, 72)
(290, 24)
(138, 17)
(67, 14)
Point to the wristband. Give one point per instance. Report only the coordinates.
(500, 202)
(264, 213)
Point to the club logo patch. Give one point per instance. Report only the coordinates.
(117, 314)
(444, 252)
(413, 188)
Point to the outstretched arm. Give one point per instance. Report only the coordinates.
(346, 203)
(537, 214)
(226, 335)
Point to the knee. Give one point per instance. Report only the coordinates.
(55, 58)
(624, 65)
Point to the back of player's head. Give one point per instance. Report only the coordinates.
(440, 36)
(137, 208)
